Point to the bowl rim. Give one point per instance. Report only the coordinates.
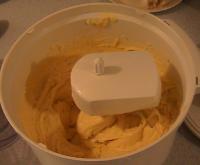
(157, 9)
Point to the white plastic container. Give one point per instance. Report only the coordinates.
(64, 26)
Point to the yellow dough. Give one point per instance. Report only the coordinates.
(54, 122)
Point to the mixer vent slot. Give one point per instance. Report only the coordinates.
(197, 81)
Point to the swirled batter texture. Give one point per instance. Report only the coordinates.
(55, 122)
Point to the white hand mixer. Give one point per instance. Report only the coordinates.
(115, 83)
